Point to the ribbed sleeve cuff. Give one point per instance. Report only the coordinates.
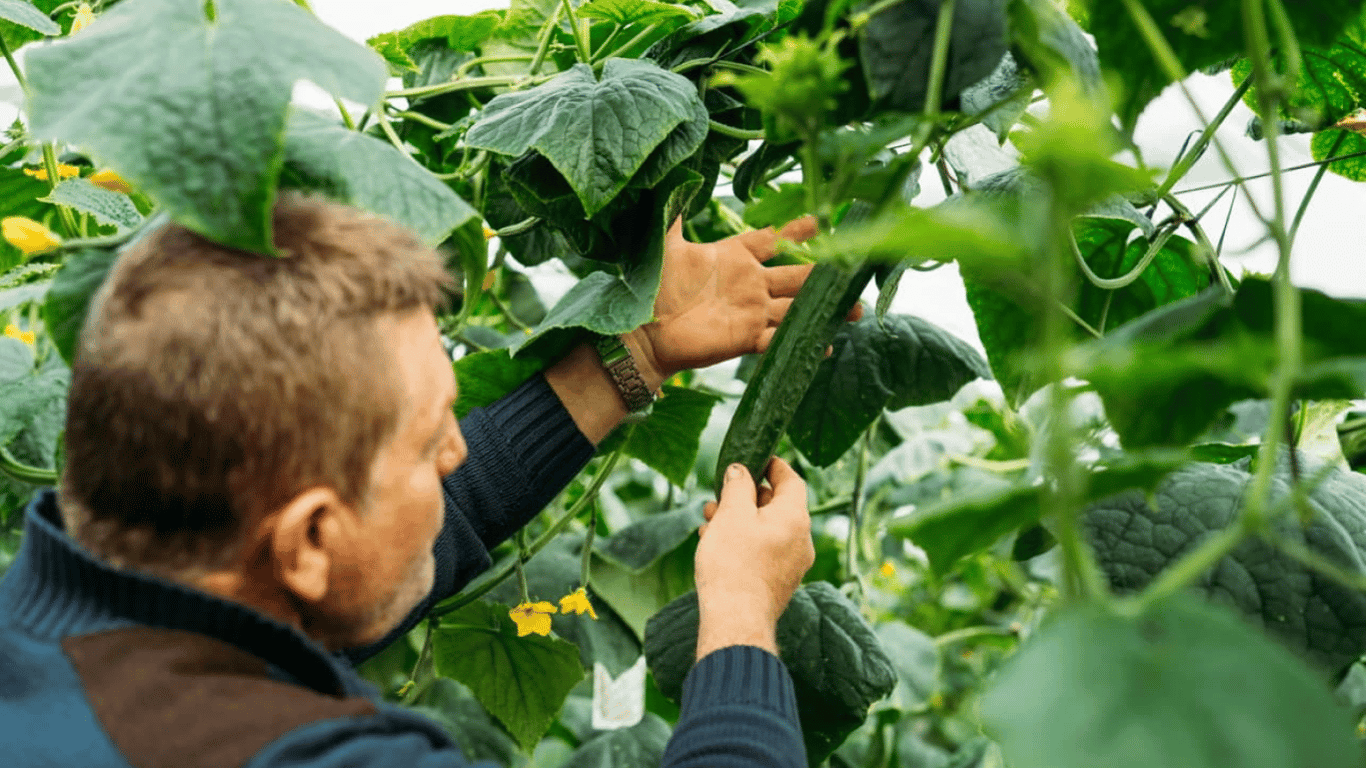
(739, 674)
(541, 433)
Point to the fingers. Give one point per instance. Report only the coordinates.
(788, 487)
(761, 242)
(738, 495)
(765, 339)
(786, 280)
(856, 313)
(676, 230)
(799, 230)
(709, 510)
(765, 495)
(777, 310)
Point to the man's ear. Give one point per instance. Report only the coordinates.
(303, 536)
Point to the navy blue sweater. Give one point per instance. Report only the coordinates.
(106, 667)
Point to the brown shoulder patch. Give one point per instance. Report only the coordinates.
(170, 699)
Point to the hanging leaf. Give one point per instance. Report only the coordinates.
(1135, 536)
(625, 12)
(189, 107)
(372, 175)
(522, 681)
(891, 362)
(896, 48)
(108, 207)
(838, 665)
(596, 132)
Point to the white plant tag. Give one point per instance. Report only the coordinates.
(620, 702)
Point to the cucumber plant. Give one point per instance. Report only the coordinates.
(1141, 513)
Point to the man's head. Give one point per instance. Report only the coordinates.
(238, 414)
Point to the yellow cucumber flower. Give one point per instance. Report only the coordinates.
(63, 171)
(577, 602)
(532, 618)
(28, 337)
(84, 16)
(888, 569)
(28, 235)
(110, 181)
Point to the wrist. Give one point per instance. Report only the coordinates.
(643, 352)
(731, 619)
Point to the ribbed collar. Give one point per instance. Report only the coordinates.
(55, 589)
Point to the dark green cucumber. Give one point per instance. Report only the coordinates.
(785, 371)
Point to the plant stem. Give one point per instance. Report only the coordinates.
(580, 33)
(418, 117)
(512, 230)
(585, 567)
(1189, 159)
(1171, 66)
(388, 130)
(1081, 576)
(1114, 284)
(466, 84)
(939, 65)
(629, 44)
(417, 681)
(522, 557)
(735, 133)
(1286, 298)
(861, 18)
(856, 502)
(543, 42)
(1211, 253)
(464, 69)
(503, 572)
(1314, 187)
(23, 472)
(969, 633)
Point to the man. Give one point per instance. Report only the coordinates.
(264, 480)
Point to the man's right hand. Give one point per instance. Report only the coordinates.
(755, 548)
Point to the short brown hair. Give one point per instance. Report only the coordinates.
(212, 385)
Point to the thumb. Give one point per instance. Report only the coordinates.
(739, 491)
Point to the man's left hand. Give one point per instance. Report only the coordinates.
(717, 300)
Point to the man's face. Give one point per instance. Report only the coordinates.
(393, 567)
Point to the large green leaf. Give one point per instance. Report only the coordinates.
(483, 377)
(596, 132)
(893, 362)
(1135, 537)
(838, 664)
(640, 745)
(966, 524)
(69, 297)
(475, 733)
(522, 681)
(190, 106)
(461, 33)
(107, 206)
(1201, 33)
(610, 305)
(646, 565)
(625, 12)
(1181, 684)
(26, 15)
(1053, 45)
(29, 399)
(668, 439)
(731, 28)
(1329, 144)
(1332, 82)
(896, 47)
(372, 175)
(1167, 376)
